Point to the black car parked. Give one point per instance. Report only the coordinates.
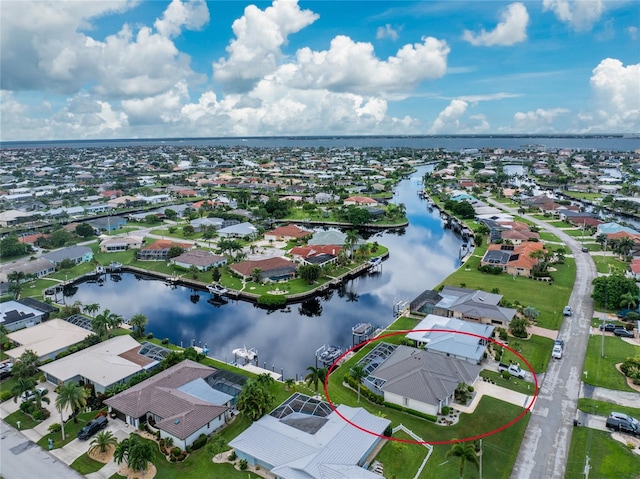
(92, 427)
(623, 333)
(609, 327)
(622, 426)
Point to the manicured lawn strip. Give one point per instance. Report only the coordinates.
(577, 233)
(85, 465)
(601, 371)
(401, 459)
(602, 408)
(559, 224)
(8, 384)
(608, 458)
(70, 430)
(606, 264)
(26, 422)
(518, 385)
(544, 236)
(536, 350)
(549, 300)
(403, 323)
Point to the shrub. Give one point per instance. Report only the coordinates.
(243, 464)
(176, 451)
(27, 407)
(233, 456)
(198, 443)
(5, 395)
(150, 336)
(364, 391)
(388, 432)
(422, 415)
(55, 427)
(272, 300)
(165, 341)
(41, 414)
(446, 410)
(100, 414)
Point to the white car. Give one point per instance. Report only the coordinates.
(29, 395)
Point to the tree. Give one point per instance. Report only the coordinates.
(530, 313)
(10, 247)
(40, 396)
(216, 274)
(91, 308)
(466, 452)
(309, 273)
(104, 322)
(315, 376)
(255, 274)
(73, 396)
(102, 441)
(350, 240)
(188, 230)
(21, 386)
(26, 365)
(85, 230)
(358, 373)
(518, 327)
(174, 251)
(139, 321)
(290, 384)
(624, 247)
(255, 400)
(135, 452)
(217, 445)
(628, 299)
(609, 290)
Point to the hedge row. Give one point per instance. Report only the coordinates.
(364, 391)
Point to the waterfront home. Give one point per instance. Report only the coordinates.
(613, 227)
(179, 402)
(305, 438)
(39, 267)
(202, 259)
(46, 339)
(417, 379)
(201, 224)
(238, 231)
(310, 254)
(360, 201)
(513, 259)
(14, 217)
(159, 250)
(77, 254)
(14, 315)
(110, 362)
(270, 269)
(466, 304)
(108, 224)
(120, 243)
(287, 233)
(462, 342)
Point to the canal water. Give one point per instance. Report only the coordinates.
(421, 255)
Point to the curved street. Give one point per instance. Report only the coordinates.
(545, 446)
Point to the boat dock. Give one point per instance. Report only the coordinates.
(327, 355)
(362, 332)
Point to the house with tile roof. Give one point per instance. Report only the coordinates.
(316, 254)
(360, 201)
(271, 269)
(287, 233)
(159, 250)
(421, 380)
(202, 259)
(304, 438)
(513, 259)
(178, 401)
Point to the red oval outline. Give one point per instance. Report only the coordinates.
(452, 441)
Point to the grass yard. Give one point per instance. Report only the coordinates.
(558, 223)
(70, 430)
(608, 458)
(514, 384)
(85, 465)
(545, 236)
(536, 350)
(402, 459)
(577, 234)
(602, 408)
(26, 422)
(608, 264)
(600, 371)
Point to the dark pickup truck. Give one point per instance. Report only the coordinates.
(622, 426)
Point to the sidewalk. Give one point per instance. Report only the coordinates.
(484, 388)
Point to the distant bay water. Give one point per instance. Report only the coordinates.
(448, 143)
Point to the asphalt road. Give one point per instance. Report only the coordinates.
(545, 447)
(21, 458)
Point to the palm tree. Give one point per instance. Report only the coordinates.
(315, 375)
(254, 400)
(628, 299)
(530, 313)
(358, 373)
(290, 384)
(139, 321)
(70, 395)
(91, 308)
(21, 386)
(624, 247)
(466, 452)
(102, 441)
(135, 452)
(350, 240)
(104, 322)
(40, 396)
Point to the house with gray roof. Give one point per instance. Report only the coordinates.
(77, 254)
(178, 401)
(202, 259)
(304, 438)
(420, 380)
(14, 315)
(465, 340)
(39, 267)
(238, 231)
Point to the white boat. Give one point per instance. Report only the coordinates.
(215, 288)
(375, 261)
(247, 355)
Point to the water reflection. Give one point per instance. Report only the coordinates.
(287, 339)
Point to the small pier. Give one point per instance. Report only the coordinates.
(327, 355)
(362, 332)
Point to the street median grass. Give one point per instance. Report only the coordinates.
(85, 465)
(26, 422)
(602, 408)
(608, 458)
(601, 371)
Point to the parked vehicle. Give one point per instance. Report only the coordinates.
(558, 347)
(585, 250)
(622, 426)
(624, 417)
(567, 311)
(512, 369)
(5, 370)
(92, 427)
(623, 333)
(609, 327)
(29, 395)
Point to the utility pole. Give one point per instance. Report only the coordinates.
(481, 454)
(587, 468)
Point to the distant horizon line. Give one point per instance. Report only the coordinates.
(297, 137)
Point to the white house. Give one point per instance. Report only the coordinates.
(14, 315)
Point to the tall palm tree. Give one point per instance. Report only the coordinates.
(135, 452)
(139, 321)
(103, 440)
(21, 386)
(315, 375)
(40, 396)
(350, 240)
(625, 246)
(358, 373)
(70, 395)
(91, 308)
(466, 452)
(628, 299)
(104, 322)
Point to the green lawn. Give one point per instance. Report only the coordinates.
(600, 371)
(26, 422)
(514, 384)
(85, 465)
(602, 408)
(401, 459)
(70, 430)
(536, 350)
(608, 264)
(545, 236)
(548, 299)
(577, 233)
(608, 458)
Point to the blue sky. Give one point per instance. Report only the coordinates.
(142, 69)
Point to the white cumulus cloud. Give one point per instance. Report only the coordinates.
(387, 32)
(191, 15)
(511, 30)
(454, 119)
(580, 14)
(537, 121)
